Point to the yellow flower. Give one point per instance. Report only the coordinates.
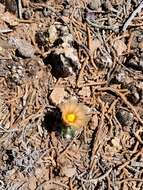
(74, 114)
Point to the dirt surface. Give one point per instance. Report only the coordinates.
(53, 51)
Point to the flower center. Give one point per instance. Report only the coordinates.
(71, 117)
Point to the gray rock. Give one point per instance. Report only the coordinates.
(24, 48)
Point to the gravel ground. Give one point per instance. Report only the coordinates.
(54, 52)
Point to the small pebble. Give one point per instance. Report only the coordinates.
(120, 47)
(11, 6)
(133, 96)
(57, 95)
(26, 14)
(124, 117)
(69, 171)
(24, 48)
(85, 91)
(41, 38)
(53, 34)
(94, 4)
(141, 45)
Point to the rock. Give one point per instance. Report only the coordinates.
(107, 5)
(64, 62)
(95, 122)
(17, 73)
(5, 50)
(53, 33)
(26, 14)
(95, 4)
(120, 47)
(85, 92)
(24, 48)
(68, 171)
(133, 96)
(32, 183)
(119, 77)
(41, 38)
(134, 63)
(63, 57)
(11, 6)
(125, 117)
(116, 143)
(57, 95)
(108, 98)
(141, 45)
(94, 45)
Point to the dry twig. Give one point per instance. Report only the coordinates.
(131, 17)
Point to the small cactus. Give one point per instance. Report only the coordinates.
(74, 116)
